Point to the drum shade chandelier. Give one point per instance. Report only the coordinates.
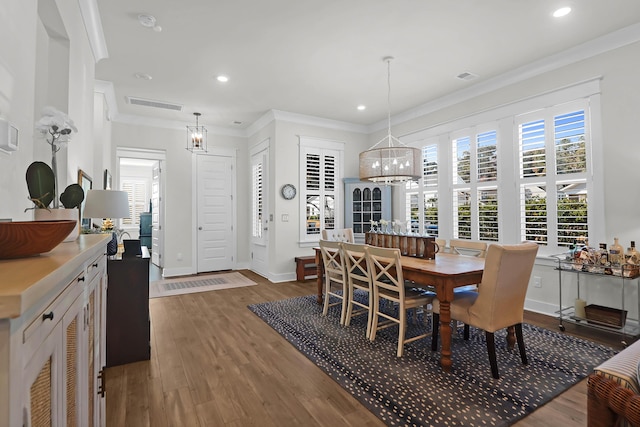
(196, 137)
(390, 164)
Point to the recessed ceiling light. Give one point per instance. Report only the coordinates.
(143, 76)
(149, 21)
(362, 107)
(222, 79)
(563, 11)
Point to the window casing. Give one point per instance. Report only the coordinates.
(320, 187)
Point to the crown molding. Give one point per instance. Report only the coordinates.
(623, 37)
(319, 121)
(93, 25)
(263, 121)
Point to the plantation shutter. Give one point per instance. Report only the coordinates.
(257, 202)
(137, 196)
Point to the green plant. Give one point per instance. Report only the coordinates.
(41, 185)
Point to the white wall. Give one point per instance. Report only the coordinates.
(20, 29)
(178, 226)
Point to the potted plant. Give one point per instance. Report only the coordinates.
(42, 180)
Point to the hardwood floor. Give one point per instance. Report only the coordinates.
(215, 363)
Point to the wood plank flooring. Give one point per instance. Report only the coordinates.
(215, 363)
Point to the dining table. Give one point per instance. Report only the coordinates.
(444, 273)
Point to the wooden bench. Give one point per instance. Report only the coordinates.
(305, 266)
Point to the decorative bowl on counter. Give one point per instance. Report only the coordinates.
(21, 239)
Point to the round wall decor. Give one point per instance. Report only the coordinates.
(288, 191)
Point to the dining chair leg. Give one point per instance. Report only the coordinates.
(435, 330)
(343, 312)
(374, 319)
(325, 309)
(466, 332)
(491, 349)
(401, 331)
(347, 320)
(520, 338)
(370, 314)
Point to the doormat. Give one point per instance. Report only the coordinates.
(189, 285)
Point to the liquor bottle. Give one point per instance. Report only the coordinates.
(633, 257)
(616, 253)
(603, 254)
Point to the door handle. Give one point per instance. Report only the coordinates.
(199, 228)
(266, 228)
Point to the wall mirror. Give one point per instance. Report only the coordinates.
(86, 183)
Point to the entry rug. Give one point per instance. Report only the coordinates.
(414, 390)
(188, 285)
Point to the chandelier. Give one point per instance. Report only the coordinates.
(196, 137)
(390, 164)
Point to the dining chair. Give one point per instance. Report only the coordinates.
(385, 269)
(499, 301)
(335, 284)
(338, 234)
(442, 245)
(467, 247)
(358, 278)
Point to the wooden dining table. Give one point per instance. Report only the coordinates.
(444, 273)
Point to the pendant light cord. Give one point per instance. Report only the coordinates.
(388, 59)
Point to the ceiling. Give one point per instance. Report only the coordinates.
(323, 58)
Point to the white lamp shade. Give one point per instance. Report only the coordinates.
(106, 204)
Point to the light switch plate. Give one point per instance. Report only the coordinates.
(8, 136)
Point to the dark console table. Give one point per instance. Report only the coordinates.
(128, 322)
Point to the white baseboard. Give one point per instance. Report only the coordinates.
(541, 307)
(180, 271)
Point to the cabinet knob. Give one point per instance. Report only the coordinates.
(95, 265)
(48, 315)
(81, 279)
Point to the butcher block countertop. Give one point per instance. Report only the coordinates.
(24, 281)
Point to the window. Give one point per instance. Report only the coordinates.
(321, 182)
(553, 180)
(522, 171)
(426, 191)
(138, 199)
(256, 200)
(475, 188)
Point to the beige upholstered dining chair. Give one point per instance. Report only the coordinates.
(335, 284)
(499, 301)
(338, 235)
(355, 261)
(467, 247)
(385, 270)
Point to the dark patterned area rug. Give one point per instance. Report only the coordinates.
(413, 390)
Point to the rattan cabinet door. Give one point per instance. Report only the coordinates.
(72, 338)
(42, 377)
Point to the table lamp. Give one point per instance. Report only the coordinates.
(107, 204)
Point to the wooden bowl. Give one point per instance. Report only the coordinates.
(21, 239)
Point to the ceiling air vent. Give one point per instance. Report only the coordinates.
(151, 103)
(467, 76)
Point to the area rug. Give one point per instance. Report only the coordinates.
(188, 285)
(414, 390)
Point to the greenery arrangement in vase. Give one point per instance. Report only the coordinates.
(42, 180)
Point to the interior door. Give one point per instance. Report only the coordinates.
(157, 208)
(215, 234)
(259, 211)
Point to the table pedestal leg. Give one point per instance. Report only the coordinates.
(445, 335)
(320, 275)
(511, 337)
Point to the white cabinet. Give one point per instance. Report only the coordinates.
(364, 202)
(52, 336)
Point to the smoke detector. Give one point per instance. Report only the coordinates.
(149, 21)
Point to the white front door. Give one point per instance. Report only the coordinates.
(157, 209)
(259, 209)
(215, 215)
